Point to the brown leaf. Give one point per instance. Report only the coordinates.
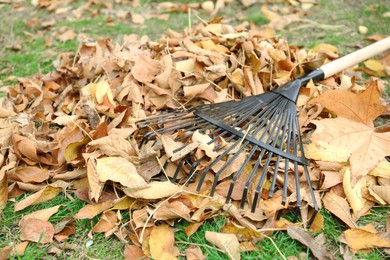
(192, 228)
(318, 250)
(46, 194)
(120, 170)
(3, 190)
(358, 239)
(339, 207)
(194, 253)
(43, 214)
(64, 229)
(242, 233)
(156, 190)
(106, 222)
(90, 211)
(367, 146)
(363, 108)
(228, 243)
(114, 145)
(30, 174)
(145, 68)
(162, 243)
(36, 230)
(133, 252)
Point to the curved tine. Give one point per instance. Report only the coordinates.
(263, 116)
(226, 164)
(295, 128)
(204, 172)
(237, 121)
(237, 175)
(298, 190)
(194, 165)
(261, 181)
(273, 112)
(290, 141)
(281, 126)
(180, 164)
(306, 169)
(310, 222)
(163, 116)
(286, 128)
(252, 174)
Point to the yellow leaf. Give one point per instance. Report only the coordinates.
(46, 194)
(354, 194)
(228, 243)
(270, 15)
(381, 170)
(89, 211)
(120, 170)
(186, 66)
(367, 147)
(358, 239)
(114, 145)
(72, 151)
(162, 243)
(326, 47)
(156, 190)
(3, 190)
(43, 214)
(323, 151)
(374, 65)
(339, 207)
(101, 89)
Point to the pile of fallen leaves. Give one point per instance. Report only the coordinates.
(74, 131)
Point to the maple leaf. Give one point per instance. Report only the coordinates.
(363, 108)
(353, 131)
(367, 147)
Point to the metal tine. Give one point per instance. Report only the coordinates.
(287, 128)
(274, 108)
(254, 170)
(297, 184)
(308, 182)
(281, 128)
(263, 112)
(239, 172)
(256, 130)
(180, 164)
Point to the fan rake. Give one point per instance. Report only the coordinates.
(264, 127)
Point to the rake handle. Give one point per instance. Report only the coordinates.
(354, 58)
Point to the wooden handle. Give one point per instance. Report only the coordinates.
(354, 58)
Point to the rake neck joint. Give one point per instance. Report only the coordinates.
(291, 89)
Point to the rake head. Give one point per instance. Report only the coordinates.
(264, 128)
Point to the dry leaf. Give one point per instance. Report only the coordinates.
(318, 249)
(156, 190)
(3, 190)
(36, 230)
(162, 243)
(363, 108)
(194, 253)
(145, 68)
(367, 147)
(114, 145)
(43, 214)
(89, 211)
(133, 252)
(228, 243)
(120, 170)
(358, 239)
(339, 207)
(46, 194)
(106, 222)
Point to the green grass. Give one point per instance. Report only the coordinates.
(343, 18)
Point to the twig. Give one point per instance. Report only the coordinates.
(277, 249)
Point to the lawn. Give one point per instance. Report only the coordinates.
(34, 33)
